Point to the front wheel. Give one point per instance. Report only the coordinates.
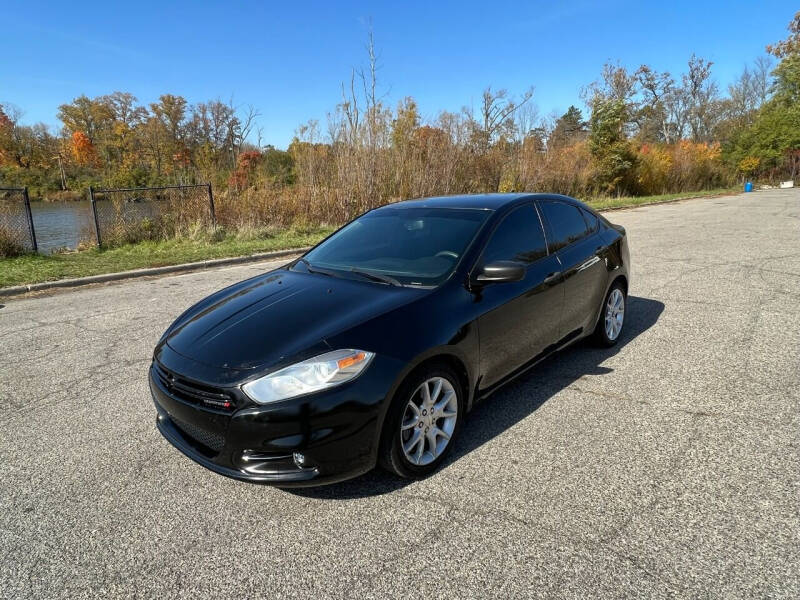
(612, 316)
(423, 421)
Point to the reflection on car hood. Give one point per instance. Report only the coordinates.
(260, 321)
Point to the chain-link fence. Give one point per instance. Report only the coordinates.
(124, 216)
(16, 222)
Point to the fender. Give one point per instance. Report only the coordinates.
(613, 277)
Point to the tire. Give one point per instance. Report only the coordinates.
(614, 307)
(400, 427)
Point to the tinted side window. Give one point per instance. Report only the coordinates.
(519, 237)
(566, 223)
(591, 220)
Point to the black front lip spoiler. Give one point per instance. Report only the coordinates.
(298, 477)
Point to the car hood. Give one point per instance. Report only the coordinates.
(277, 316)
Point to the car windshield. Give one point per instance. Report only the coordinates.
(409, 246)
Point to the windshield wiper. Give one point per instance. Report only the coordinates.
(311, 269)
(376, 277)
(373, 276)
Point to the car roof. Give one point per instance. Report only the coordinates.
(478, 201)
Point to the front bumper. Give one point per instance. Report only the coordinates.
(281, 473)
(337, 431)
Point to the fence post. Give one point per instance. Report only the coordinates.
(211, 206)
(94, 212)
(30, 217)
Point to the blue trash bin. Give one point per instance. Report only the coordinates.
(748, 186)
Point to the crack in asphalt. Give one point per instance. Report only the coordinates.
(695, 414)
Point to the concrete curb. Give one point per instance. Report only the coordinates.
(195, 266)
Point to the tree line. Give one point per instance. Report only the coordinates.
(640, 131)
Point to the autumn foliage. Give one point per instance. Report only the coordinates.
(83, 150)
(638, 131)
(6, 140)
(246, 165)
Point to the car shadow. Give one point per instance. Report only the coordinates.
(510, 404)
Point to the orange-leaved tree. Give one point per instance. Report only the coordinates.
(83, 150)
(245, 168)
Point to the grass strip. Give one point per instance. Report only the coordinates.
(34, 268)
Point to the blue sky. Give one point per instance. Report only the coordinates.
(289, 59)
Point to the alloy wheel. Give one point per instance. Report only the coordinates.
(615, 314)
(428, 421)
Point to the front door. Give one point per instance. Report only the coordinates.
(518, 319)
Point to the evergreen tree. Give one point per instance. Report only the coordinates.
(569, 128)
(614, 157)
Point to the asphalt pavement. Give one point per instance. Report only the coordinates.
(665, 467)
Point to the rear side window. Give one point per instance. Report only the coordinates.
(566, 223)
(591, 220)
(519, 237)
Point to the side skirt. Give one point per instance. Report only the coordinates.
(568, 339)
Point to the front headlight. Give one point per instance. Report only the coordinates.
(312, 375)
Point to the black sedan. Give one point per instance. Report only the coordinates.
(373, 346)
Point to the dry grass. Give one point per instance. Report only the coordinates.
(244, 234)
(9, 246)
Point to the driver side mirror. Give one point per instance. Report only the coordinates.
(500, 271)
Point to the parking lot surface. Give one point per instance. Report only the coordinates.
(667, 466)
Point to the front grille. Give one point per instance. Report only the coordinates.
(212, 441)
(194, 393)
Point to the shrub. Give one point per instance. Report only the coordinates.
(9, 246)
(748, 166)
(64, 195)
(697, 166)
(653, 169)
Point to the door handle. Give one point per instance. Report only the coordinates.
(552, 277)
(594, 260)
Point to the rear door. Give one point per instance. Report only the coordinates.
(574, 237)
(518, 319)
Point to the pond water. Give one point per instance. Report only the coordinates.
(62, 224)
(65, 224)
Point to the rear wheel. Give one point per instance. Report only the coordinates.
(424, 419)
(612, 316)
